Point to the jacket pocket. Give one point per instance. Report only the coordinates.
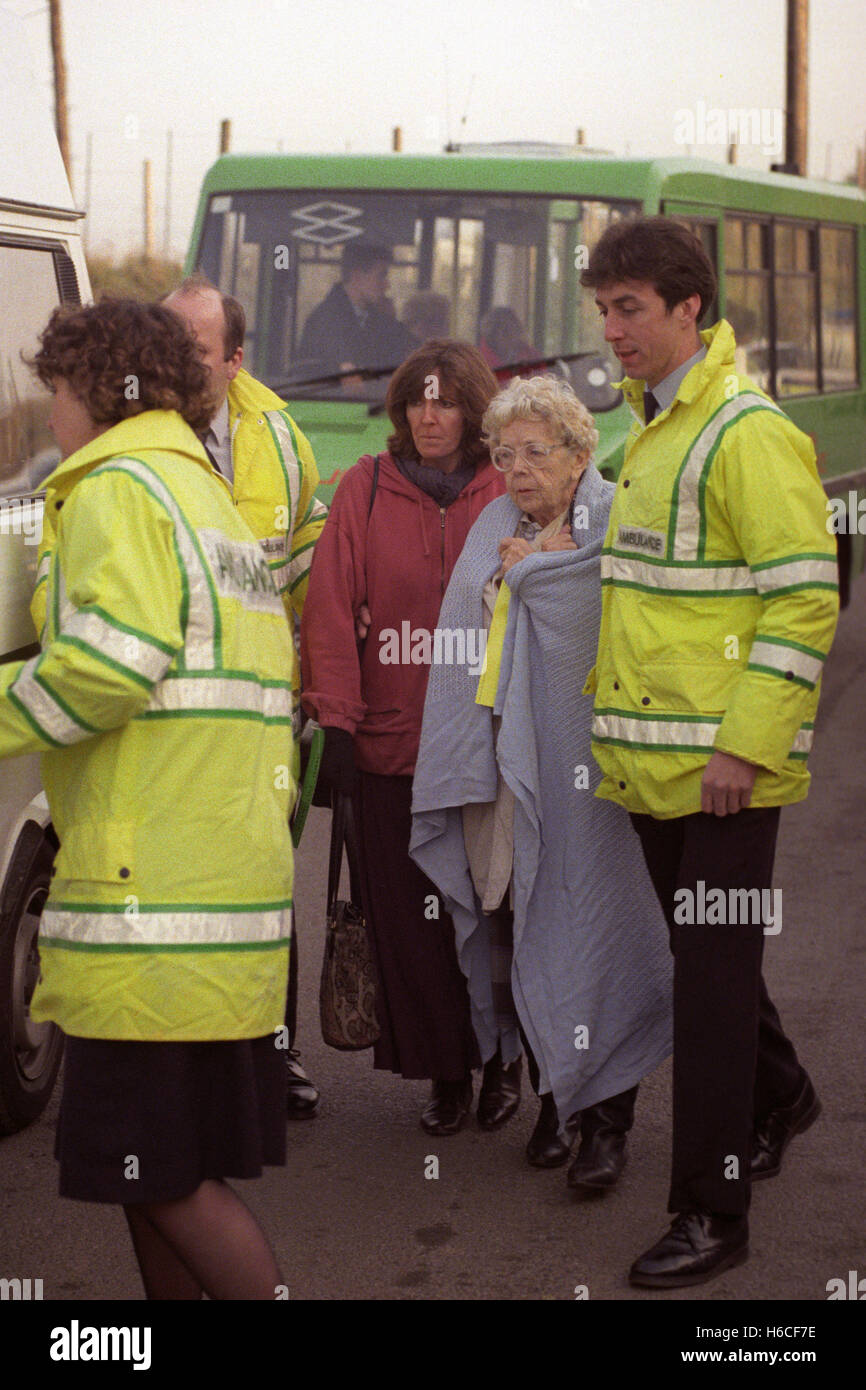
(689, 687)
(95, 852)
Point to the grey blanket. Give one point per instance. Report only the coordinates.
(591, 975)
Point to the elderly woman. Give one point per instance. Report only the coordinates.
(558, 931)
(396, 526)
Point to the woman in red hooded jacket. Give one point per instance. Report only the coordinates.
(395, 529)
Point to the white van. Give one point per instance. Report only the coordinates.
(41, 265)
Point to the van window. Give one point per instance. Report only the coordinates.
(28, 293)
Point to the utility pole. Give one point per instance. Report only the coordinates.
(797, 88)
(397, 139)
(60, 114)
(148, 211)
(169, 141)
(225, 136)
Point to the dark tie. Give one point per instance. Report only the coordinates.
(650, 406)
(211, 457)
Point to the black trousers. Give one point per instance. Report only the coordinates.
(732, 1060)
(292, 992)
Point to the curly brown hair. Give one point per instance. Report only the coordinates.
(121, 357)
(462, 374)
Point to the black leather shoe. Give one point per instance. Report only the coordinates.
(500, 1092)
(302, 1097)
(774, 1133)
(697, 1247)
(447, 1107)
(545, 1148)
(603, 1130)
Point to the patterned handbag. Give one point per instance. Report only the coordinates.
(347, 992)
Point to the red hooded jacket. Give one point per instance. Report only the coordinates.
(399, 561)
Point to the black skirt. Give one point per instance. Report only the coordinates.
(422, 1004)
(150, 1121)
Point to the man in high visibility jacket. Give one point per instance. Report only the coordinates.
(269, 467)
(719, 606)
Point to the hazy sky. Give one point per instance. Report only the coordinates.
(331, 75)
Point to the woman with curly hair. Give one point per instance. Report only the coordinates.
(395, 529)
(165, 666)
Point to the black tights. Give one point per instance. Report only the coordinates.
(206, 1243)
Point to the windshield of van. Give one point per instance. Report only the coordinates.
(28, 293)
(339, 287)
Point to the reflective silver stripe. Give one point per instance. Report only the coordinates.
(241, 571)
(723, 579)
(200, 631)
(132, 928)
(796, 572)
(663, 733)
(125, 648)
(688, 516)
(44, 567)
(291, 464)
(44, 709)
(784, 659)
(653, 731)
(219, 693)
(280, 575)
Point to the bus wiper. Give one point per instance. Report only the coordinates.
(290, 384)
(333, 378)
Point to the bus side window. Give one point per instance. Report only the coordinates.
(838, 261)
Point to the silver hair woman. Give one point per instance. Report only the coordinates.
(558, 929)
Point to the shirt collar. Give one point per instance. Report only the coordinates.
(219, 426)
(666, 390)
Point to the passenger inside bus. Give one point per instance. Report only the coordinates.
(355, 326)
(427, 315)
(503, 342)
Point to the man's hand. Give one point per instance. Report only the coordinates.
(363, 620)
(512, 549)
(727, 784)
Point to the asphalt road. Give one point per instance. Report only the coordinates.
(354, 1217)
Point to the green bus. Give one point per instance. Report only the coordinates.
(489, 242)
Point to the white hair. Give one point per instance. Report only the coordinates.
(544, 398)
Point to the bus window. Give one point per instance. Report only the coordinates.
(796, 290)
(838, 307)
(280, 253)
(747, 285)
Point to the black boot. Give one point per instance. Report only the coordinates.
(500, 1092)
(545, 1148)
(601, 1156)
(447, 1107)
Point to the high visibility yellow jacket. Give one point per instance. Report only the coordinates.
(719, 597)
(275, 481)
(163, 698)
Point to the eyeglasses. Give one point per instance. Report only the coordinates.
(536, 455)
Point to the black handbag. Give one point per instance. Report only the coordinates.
(347, 991)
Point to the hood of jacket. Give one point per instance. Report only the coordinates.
(163, 430)
(248, 396)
